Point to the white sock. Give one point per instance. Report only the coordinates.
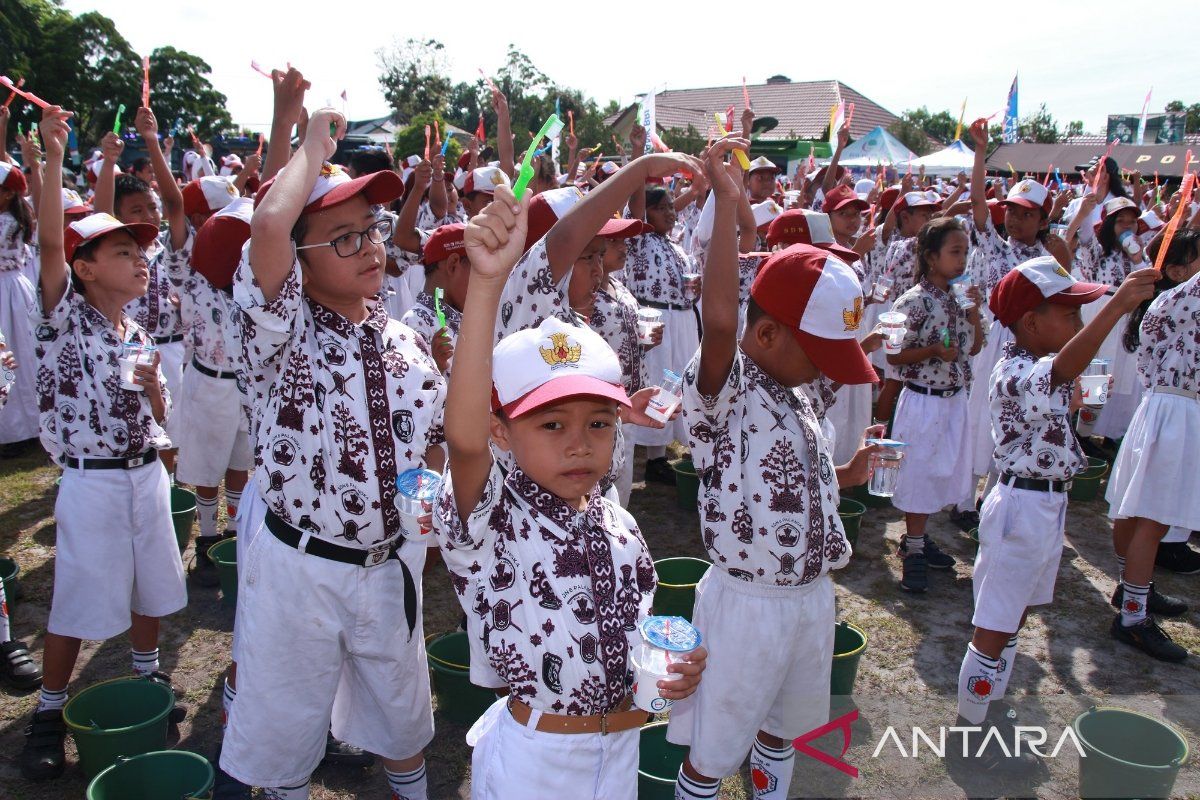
(689, 789)
(976, 680)
(287, 792)
(145, 662)
(227, 698)
(1120, 568)
(771, 770)
(5, 629)
(232, 501)
(51, 699)
(408, 785)
(1133, 603)
(1004, 669)
(914, 544)
(206, 512)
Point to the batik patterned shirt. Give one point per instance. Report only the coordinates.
(15, 252)
(422, 318)
(1099, 268)
(157, 311)
(208, 313)
(1169, 354)
(614, 317)
(1031, 419)
(996, 255)
(900, 262)
(933, 317)
(654, 270)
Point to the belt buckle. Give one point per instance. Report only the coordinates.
(378, 554)
(1067, 485)
(604, 724)
(136, 461)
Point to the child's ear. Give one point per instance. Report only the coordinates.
(500, 433)
(85, 270)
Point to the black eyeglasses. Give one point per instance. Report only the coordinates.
(348, 244)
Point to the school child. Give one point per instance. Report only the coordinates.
(1149, 491)
(931, 414)
(446, 268)
(19, 416)
(1037, 453)
(347, 399)
(117, 564)
(204, 197)
(768, 516)
(560, 607)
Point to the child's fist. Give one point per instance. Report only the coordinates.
(495, 237)
(325, 127)
(146, 123)
(111, 146)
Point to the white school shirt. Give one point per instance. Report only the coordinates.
(422, 318)
(1031, 424)
(1169, 353)
(997, 255)
(654, 269)
(157, 311)
(931, 311)
(15, 252)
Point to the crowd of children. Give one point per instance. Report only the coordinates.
(297, 336)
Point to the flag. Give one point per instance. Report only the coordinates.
(837, 116)
(1141, 136)
(480, 131)
(554, 143)
(1010, 134)
(962, 112)
(646, 119)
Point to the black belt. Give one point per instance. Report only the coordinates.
(168, 339)
(350, 555)
(919, 389)
(133, 462)
(212, 373)
(1034, 484)
(664, 306)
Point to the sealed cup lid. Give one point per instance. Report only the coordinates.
(671, 633)
(893, 318)
(419, 484)
(886, 443)
(649, 314)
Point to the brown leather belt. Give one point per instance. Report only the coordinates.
(623, 719)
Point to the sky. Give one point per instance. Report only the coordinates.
(1084, 60)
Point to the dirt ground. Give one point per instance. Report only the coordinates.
(913, 656)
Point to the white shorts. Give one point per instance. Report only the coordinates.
(770, 652)
(171, 364)
(212, 430)
(515, 762)
(681, 339)
(1153, 475)
(936, 470)
(978, 403)
(115, 551)
(322, 641)
(251, 512)
(1020, 545)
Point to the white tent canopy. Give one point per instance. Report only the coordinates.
(954, 159)
(876, 148)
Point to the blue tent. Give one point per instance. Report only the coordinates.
(877, 147)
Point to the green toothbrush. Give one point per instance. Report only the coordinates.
(551, 128)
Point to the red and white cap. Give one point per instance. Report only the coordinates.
(12, 178)
(817, 296)
(607, 168)
(1149, 221)
(762, 162)
(548, 208)
(74, 205)
(914, 200)
(92, 166)
(618, 228)
(334, 185)
(1039, 280)
(1115, 206)
(800, 226)
(92, 227)
(444, 241)
(483, 179)
(1030, 194)
(197, 165)
(218, 246)
(766, 212)
(208, 195)
(554, 361)
(231, 164)
(842, 195)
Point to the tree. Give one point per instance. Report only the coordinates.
(180, 90)
(414, 77)
(1075, 127)
(1038, 127)
(411, 139)
(1192, 124)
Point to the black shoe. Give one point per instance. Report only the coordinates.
(18, 449)
(935, 558)
(1177, 557)
(17, 667)
(346, 755)
(1149, 638)
(992, 761)
(42, 757)
(915, 578)
(178, 712)
(659, 471)
(965, 520)
(204, 571)
(1160, 605)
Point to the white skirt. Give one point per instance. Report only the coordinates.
(1115, 416)
(850, 416)
(173, 358)
(936, 470)
(979, 408)
(18, 300)
(681, 339)
(1154, 475)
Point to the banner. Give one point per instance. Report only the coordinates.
(1159, 128)
(1011, 135)
(1141, 137)
(646, 120)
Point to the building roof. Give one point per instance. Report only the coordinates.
(1192, 139)
(802, 108)
(1165, 159)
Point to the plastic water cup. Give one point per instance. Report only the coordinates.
(132, 353)
(893, 329)
(663, 404)
(1094, 389)
(415, 490)
(885, 467)
(665, 640)
(649, 320)
(1130, 244)
(1098, 366)
(960, 286)
(691, 285)
(882, 288)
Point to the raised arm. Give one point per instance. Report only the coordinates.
(289, 89)
(253, 165)
(111, 147)
(172, 199)
(504, 139)
(720, 288)
(271, 253)
(31, 155)
(843, 139)
(438, 198)
(54, 267)
(494, 241)
(979, 209)
(405, 236)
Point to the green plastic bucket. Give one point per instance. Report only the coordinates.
(1086, 485)
(450, 659)
(869, 500)
(974, 534)
(121, 717)
(687, 484)
(851, 512)
(849, 643)
(677, 579)
(9, 570)
(1128, 754)
(224, 555)
(658, 763)
(183, 514)
(161, 775)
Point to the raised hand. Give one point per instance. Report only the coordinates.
(322, 144)
(495, 237)
(111, 147)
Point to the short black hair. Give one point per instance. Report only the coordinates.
(127, 185)
(754, 312)
(87, 252)
(370, 160)
(930, 239)
(655, 195)
(140, 164)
